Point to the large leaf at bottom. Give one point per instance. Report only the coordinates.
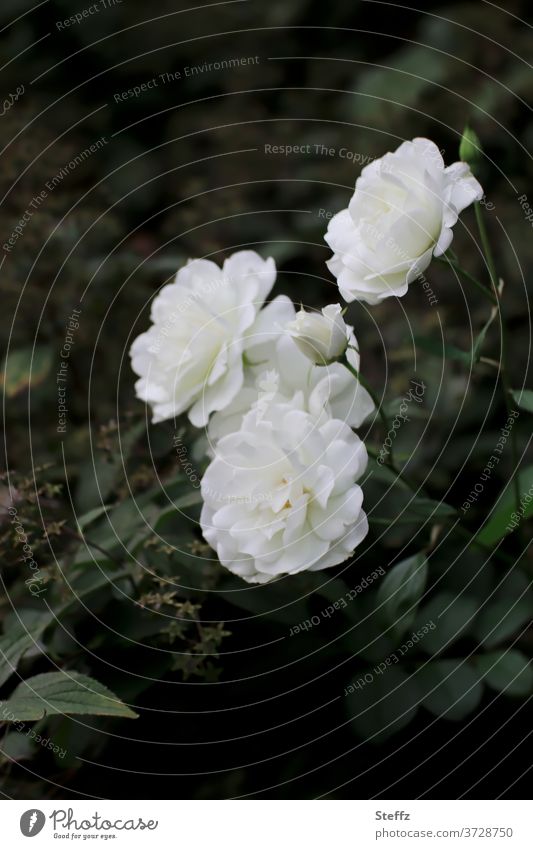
(61, 693)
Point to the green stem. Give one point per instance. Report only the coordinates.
(474, 542)
(370, 391)
(489, 259)
(467, 276)
(487, 250)
(379, 408)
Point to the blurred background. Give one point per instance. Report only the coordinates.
(132, 139)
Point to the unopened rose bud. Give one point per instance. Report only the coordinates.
(470, 148)
(322, 337)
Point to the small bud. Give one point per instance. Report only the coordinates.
(470, 148)
(322, 337)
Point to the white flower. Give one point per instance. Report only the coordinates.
(400, 215)
(191, 358)
(277, 371)
(322, 337)
(281, 497)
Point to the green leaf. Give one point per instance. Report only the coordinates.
(449, 688)
(16, 747)
(101, 472)
(25, 367)
(22, 637)
(453, 616)
(369, 639)
(275, 602)
(427, 508)
(502, 619)
(15, 644)
(116, 531)
(507, 671)
(501, 518)
(478, 344)
(189, 499)
(384, 705)
(400, 591)
(61, 693)
(443, 350)
(88, 518)
(524, 399)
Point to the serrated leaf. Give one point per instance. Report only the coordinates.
(449, 688)
(61, 693)
(508, 671)
(524, 399)
(24, 367)
(399, 593)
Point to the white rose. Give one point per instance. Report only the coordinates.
(281, 497)
(326, 392)
(322, 337)
(400, 215)
(191, 358)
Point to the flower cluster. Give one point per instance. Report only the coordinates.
(278, 391)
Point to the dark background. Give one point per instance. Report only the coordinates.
(184, 173)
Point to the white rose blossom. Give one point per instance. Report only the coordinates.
(191, 358)
(325, 391)
(322, 337)
(281, 497)
(400, 215)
